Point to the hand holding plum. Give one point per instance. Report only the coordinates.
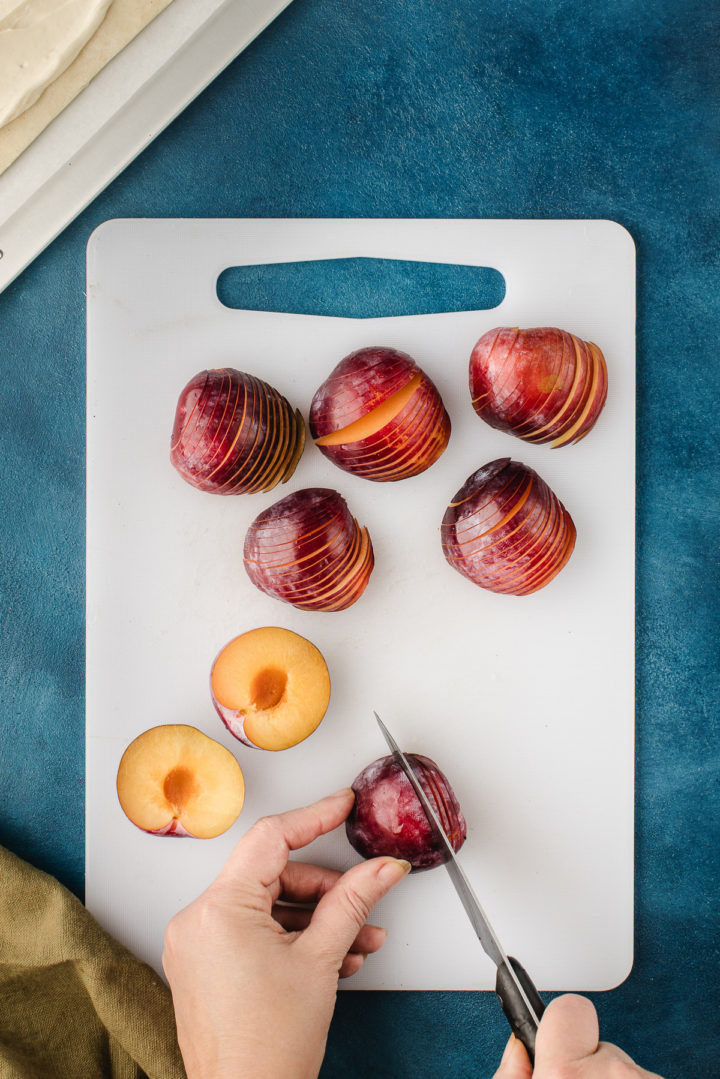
(568, 1044)
(254, 978)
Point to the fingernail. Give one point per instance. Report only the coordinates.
(343, 793)
(393, 870)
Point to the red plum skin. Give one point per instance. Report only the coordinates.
(388, 819)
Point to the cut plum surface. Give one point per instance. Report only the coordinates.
(270, 687)
(175, 780)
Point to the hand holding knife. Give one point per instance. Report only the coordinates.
(519, 998)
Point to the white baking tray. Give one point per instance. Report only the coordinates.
(116, 116)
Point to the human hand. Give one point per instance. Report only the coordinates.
(254, 982)
(568, 1045)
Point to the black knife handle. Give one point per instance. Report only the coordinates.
(516, 1011)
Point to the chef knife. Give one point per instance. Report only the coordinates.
(520, 1000)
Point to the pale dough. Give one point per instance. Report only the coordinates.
(39, 39)
(124, 20)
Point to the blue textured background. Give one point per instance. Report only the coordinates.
(430, 108)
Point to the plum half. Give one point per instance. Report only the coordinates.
(542, 385)
(387, 817)
(378, 415)
(173, 780)
(270, 687)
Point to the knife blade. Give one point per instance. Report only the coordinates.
(518, 996)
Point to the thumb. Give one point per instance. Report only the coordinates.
(568, 1032)
(515, 1063)
(344, 909)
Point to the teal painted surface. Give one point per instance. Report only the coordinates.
(361, 287)
(431, 108)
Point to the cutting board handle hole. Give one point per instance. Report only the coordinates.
(360, 287)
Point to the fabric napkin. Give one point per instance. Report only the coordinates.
(74, 1003)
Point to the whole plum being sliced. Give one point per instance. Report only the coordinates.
(388, 819)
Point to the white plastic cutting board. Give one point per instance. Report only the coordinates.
(527, 704)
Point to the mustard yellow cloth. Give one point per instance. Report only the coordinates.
(74, 1003)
